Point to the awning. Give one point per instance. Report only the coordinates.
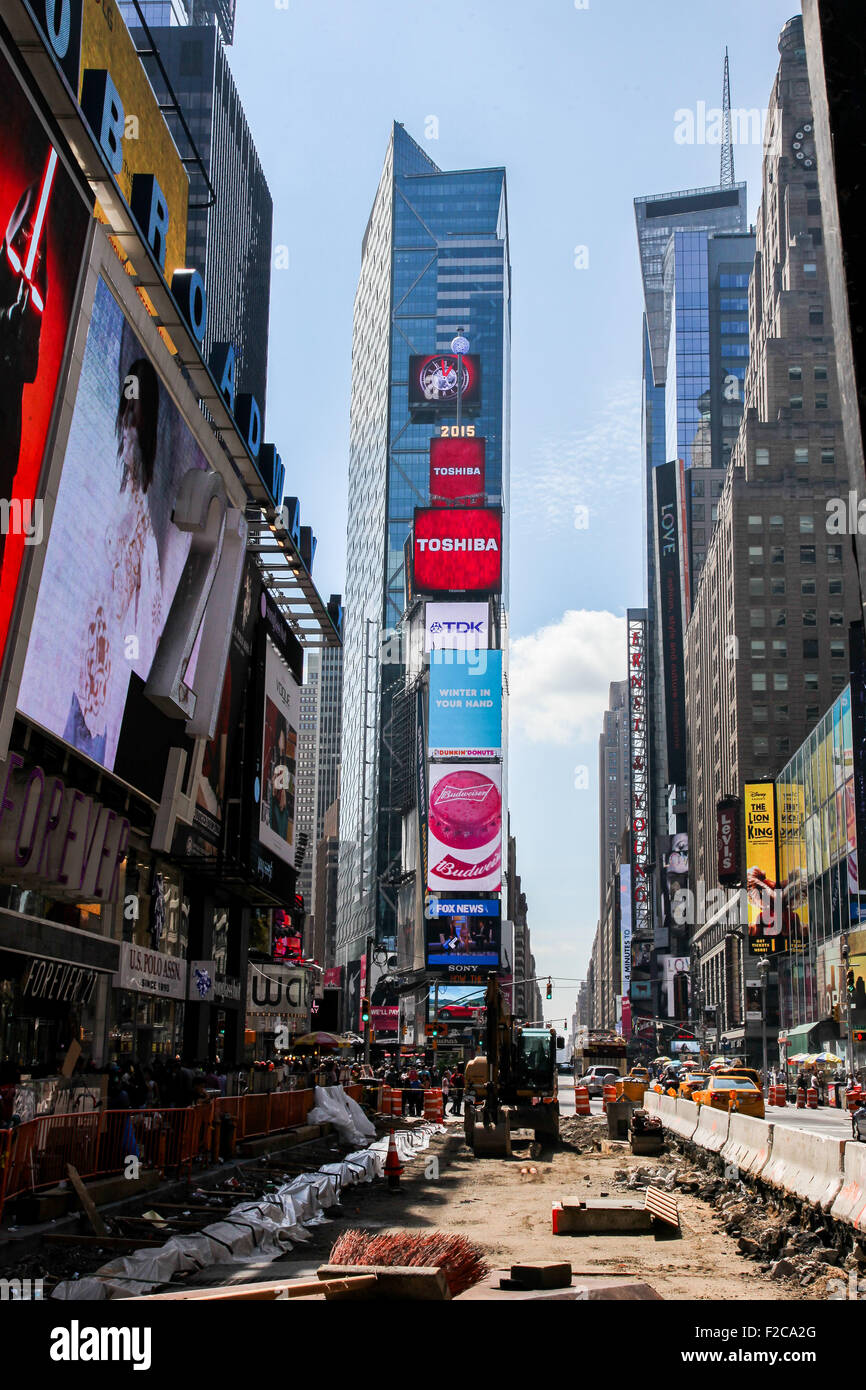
(799, 1036)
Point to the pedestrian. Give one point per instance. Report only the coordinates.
(456, 1091)
(445, 1085)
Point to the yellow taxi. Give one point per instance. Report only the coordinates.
(694, 1081)
(666, 1086)
(732, 1091)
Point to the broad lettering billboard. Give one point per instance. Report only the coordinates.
(457, 468)
(457, 550)
(466, 705)
(456, 627)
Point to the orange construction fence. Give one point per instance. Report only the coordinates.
(35, 1155)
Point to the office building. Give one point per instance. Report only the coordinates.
(434, 260)
(613, 781)
(318, 770)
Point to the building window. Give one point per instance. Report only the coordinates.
(759, 714)
(697, 487)
(808, 586)
(795, 402)
(777, 586)
(759, 648)
(810, 648)
(816, 316)
(777, 555)
(807, 524)
(828, 458)
(812, 713)
(837, 651)
(714, 511)
(756, 554)
(780, 680)
(838, 683)
(837, 618)
(780, 647)
(810, 680)
(810, 269)
(821, 400)
(759, 680)
(810, 617)
(781, 712)
(783, 746)
(757, 617)
(762, 747)
(834, 586)
(795, 373)
(756, 587)
(756, 521)
(778, 617)
(820, 373)
(801, 457)
(807, 554)
(697, 511)
(762, 458)
(834, 554)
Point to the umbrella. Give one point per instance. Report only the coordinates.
(319, 1040)
(807, 1057)
(660, 1059)
(828, 1057)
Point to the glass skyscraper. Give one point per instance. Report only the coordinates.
(434, 260)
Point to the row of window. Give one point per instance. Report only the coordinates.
(807, 554)
(801, 457)
(807, 586)
(796, 373)
(777, 522)
(779, 617)
(779, 649)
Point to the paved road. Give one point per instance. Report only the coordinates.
(825, 1120)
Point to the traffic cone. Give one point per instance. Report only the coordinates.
(393, 1166)
(801, 1098)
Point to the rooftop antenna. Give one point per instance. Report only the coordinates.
(727, 170)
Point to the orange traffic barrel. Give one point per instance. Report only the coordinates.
(812, 1098)
(581, 1101)
(781, 1095)
(801, 1098)
(396, 1101)
(608, 1094)
(386, 1100)
(853, 1098)
(433, 1105)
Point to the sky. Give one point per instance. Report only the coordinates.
(579, 100)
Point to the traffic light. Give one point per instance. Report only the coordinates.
(859, 1037)
(365, 1010)
(850, 983)
(549, 988)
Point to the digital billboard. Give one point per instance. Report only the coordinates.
(457, 550)
(457, 468)
(134, 569)
(466, 706)
(279, 757)
(669, 549)
(729, 841)
(44, 222)
(465, 828)
(460, 941)
(433, 381)
(766, 919)
(456, 627)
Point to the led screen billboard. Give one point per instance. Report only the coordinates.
(461, 941)
(466, 705)
(457, 468)
(433, 381)
(135, 597)
(465, 828)
(457, 550)
(456, 627)
(44, 222)
(279, 757)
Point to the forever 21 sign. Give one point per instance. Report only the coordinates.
(58, 835)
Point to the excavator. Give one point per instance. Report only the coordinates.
(521, 1086)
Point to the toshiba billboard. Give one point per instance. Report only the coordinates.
(458, 550)
(456, 469)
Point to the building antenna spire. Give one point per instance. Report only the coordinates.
(727, 170)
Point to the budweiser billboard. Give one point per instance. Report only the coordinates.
(728, 813)
(457, 550)
(465, 827)
(456, 469)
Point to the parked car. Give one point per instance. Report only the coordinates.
(729, 1091)
(597, 1078)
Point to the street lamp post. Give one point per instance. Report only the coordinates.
(764, 972)
(460, 345)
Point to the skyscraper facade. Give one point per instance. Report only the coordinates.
(318, 771)
(230, 218)
(434, 260)
(613, 782)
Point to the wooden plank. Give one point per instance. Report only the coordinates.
(86, 1201)
(281, 1288)
(103, 1242)
(663, 1205)
(397, 1281)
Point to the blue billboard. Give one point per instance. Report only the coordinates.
(465, 704)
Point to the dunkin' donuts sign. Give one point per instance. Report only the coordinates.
(465, 828)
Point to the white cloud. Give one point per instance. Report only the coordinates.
(595, 467)
(559, 676)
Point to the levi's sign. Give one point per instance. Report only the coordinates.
(458, 550)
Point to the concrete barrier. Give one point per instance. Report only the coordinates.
(667, 1109)
(712, 1128)
(805, 1165)
(850, 1204)
(651, 1102)
(684, 1120)
(749, 1144)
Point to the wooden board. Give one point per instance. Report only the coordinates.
(663, 1205)
(86, 1201)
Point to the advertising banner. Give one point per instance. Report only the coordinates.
(151, 972)
(670, 601)
(456, 627)
(433, 381)
(279, 757)
(729, 841)
(676, 986)
(465, 828)
(146, 143)
(466, 706)
(766, 923)
(134, 598)
(462, 941)
(457, 469)
(791, 837)
(457, 550)
(625, 920)
(636, 624)
(44, 221)
(280, 990)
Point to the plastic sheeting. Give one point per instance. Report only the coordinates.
(259, 1232)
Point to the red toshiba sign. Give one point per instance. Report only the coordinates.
(458, 550)
(456, 469)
